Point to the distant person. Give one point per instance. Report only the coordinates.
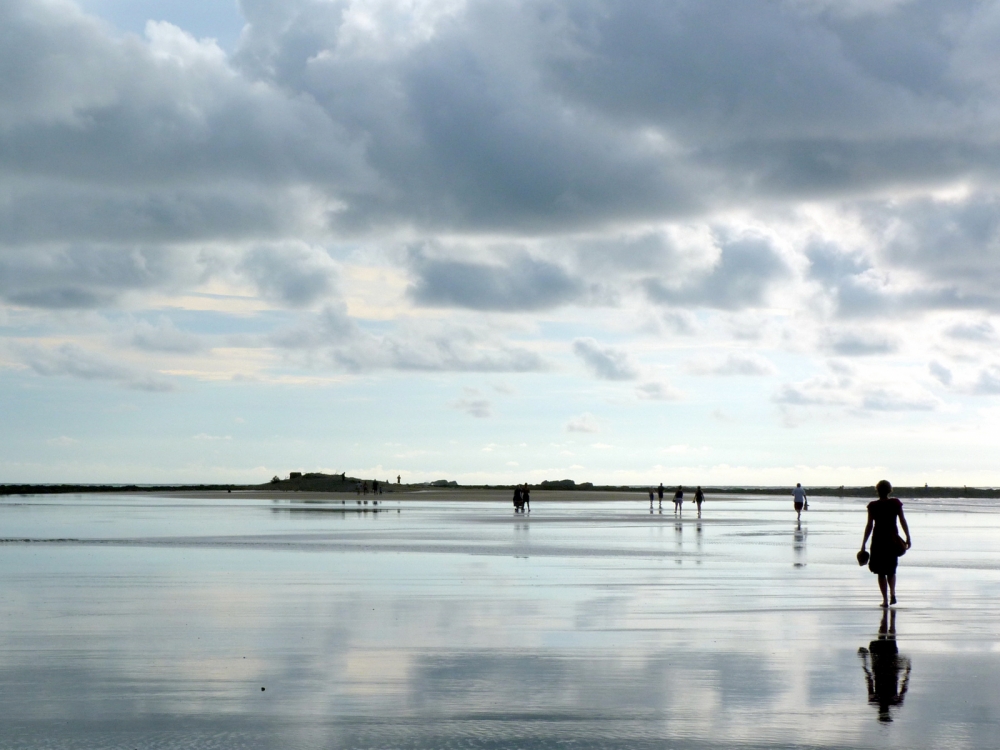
(650, 497)
(678, 498)
(699, 498)
(799, 500)
(397, 478)
(886, 544)
(518, 499)
(374, 486)
(659, 492)
(526, 496)
(883, 675)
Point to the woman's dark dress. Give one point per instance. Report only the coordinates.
(885, 548)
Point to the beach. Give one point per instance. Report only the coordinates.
(443, 619)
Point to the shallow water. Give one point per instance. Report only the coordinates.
(154, 622)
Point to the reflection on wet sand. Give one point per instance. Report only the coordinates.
(799, 545)
(144, 623)
(884, 666)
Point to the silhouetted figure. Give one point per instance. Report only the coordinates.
(374, 486)
(886, 544)
(518, 499)
(882, 674)
(699, 498)
(526, 496)
(659, 493)
(798, 500)
(650, 498)
(678, 498)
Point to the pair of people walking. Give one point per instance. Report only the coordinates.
(522, 498)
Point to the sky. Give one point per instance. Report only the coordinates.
(500, 241)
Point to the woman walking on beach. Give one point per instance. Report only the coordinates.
(678, 499)
(699, 498)
(886, 544)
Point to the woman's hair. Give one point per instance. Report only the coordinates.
(883, 488)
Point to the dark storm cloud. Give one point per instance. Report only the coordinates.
(522, 283)
(793, 99)
(742, 277)
(579, 130)
(532, 116)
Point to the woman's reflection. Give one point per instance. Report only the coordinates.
(883, 664)
(799, 546)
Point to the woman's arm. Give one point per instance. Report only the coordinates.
(868, 530)
(902, 522)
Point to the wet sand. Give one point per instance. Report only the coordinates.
(141, 621)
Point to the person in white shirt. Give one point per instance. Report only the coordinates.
(799, 497)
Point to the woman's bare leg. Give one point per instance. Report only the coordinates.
(882, 586)
(892, 589)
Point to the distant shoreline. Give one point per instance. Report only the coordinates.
(347, 486)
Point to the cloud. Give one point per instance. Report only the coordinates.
(886, 399)
(295, 275)
(333, 339)
(680, 322)
(940, 373)
(62, 441)
(72, 361)
(527, 117)
(988, 382)
(816, 392)
(655, 391)
(90, 276)
(737, 363)
(474, 407)
(605, 363)
(584, 423)
(842, 390)
(981, 331)
(165, 337)
(860, 342)
(745, 270)
(522, 283)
